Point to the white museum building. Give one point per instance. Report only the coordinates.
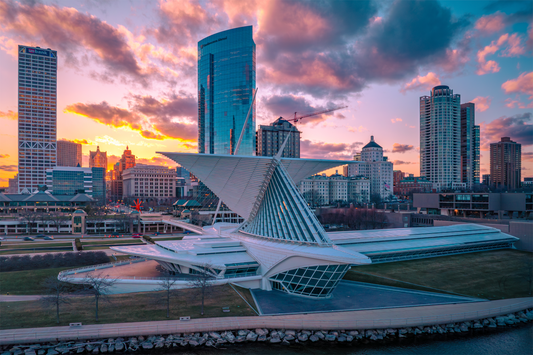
(282, 245)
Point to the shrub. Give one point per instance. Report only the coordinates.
(52, 260)
(78, 244)
(148, 239)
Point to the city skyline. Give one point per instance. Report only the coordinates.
(132, 85)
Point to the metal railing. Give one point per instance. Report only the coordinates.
(99, 266)
(231, 323)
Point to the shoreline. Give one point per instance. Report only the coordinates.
(215, 339)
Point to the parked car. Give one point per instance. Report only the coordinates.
(115, 235)
(49, 238)
(136, 235)
(29, 239)
(156, 233)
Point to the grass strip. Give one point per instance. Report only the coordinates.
(491, 275)
(132, 307)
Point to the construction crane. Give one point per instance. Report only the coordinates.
(297, 118)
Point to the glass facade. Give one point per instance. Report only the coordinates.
(226, 80)
(313, 281)
(66, 182)
(37, 104)
(99, 185)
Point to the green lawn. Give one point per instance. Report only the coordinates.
(29, 245)
(27, 282)
(492, 274)
(133, 307)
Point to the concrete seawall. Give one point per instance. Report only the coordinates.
(355, 320)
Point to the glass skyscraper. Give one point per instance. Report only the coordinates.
(37, 104)
(469, 145)
(226, 80)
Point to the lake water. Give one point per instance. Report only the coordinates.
(517, 340)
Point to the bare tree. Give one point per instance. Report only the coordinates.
(57, 218)
(56, 294)
(30, 217)
(98, 285)
(98, 217)
(203, 282)
(167, 284)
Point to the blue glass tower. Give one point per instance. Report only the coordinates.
(226, 80)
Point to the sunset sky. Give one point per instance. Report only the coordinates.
(127, 71)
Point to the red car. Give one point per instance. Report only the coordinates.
(136, 235)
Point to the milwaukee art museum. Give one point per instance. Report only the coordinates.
(281, 245)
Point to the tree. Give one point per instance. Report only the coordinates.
(203, 282)
(57, 218)
(98, 285)
(98, 217)
(167, 284)
(56, 294)
(30, 217)
(313, 197)
(375, 199)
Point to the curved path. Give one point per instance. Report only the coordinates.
(369, 319)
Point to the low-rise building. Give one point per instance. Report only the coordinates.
(42, 201)
(483, 205)
(66, 180)
(315, 190)
(320, 190)
(412, 184)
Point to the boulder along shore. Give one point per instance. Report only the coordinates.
(262, 335)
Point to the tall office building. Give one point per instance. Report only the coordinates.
(440, 137)
(226, 81)
(505, 164)
(270, 139)
(127, 160)
(68, 153)
(469, 145)
(98, 159)
(37, 103)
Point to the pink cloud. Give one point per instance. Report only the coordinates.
(482, 103)
(10, 115)
(490, 23)
(422, 82)
(513, 49)
(522, 85)
(517, 103)
(401, 148)
(489, 66)
(394, 120)
(322, 150)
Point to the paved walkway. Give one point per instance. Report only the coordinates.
(18, 298)
(352, 296)
(369, 319)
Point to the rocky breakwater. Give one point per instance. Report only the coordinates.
(261, 335)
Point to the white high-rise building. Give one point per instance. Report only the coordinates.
(37, 103)
(375, 167)
(440, 137)
(143, 181)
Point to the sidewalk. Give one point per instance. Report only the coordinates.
(370, 319)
